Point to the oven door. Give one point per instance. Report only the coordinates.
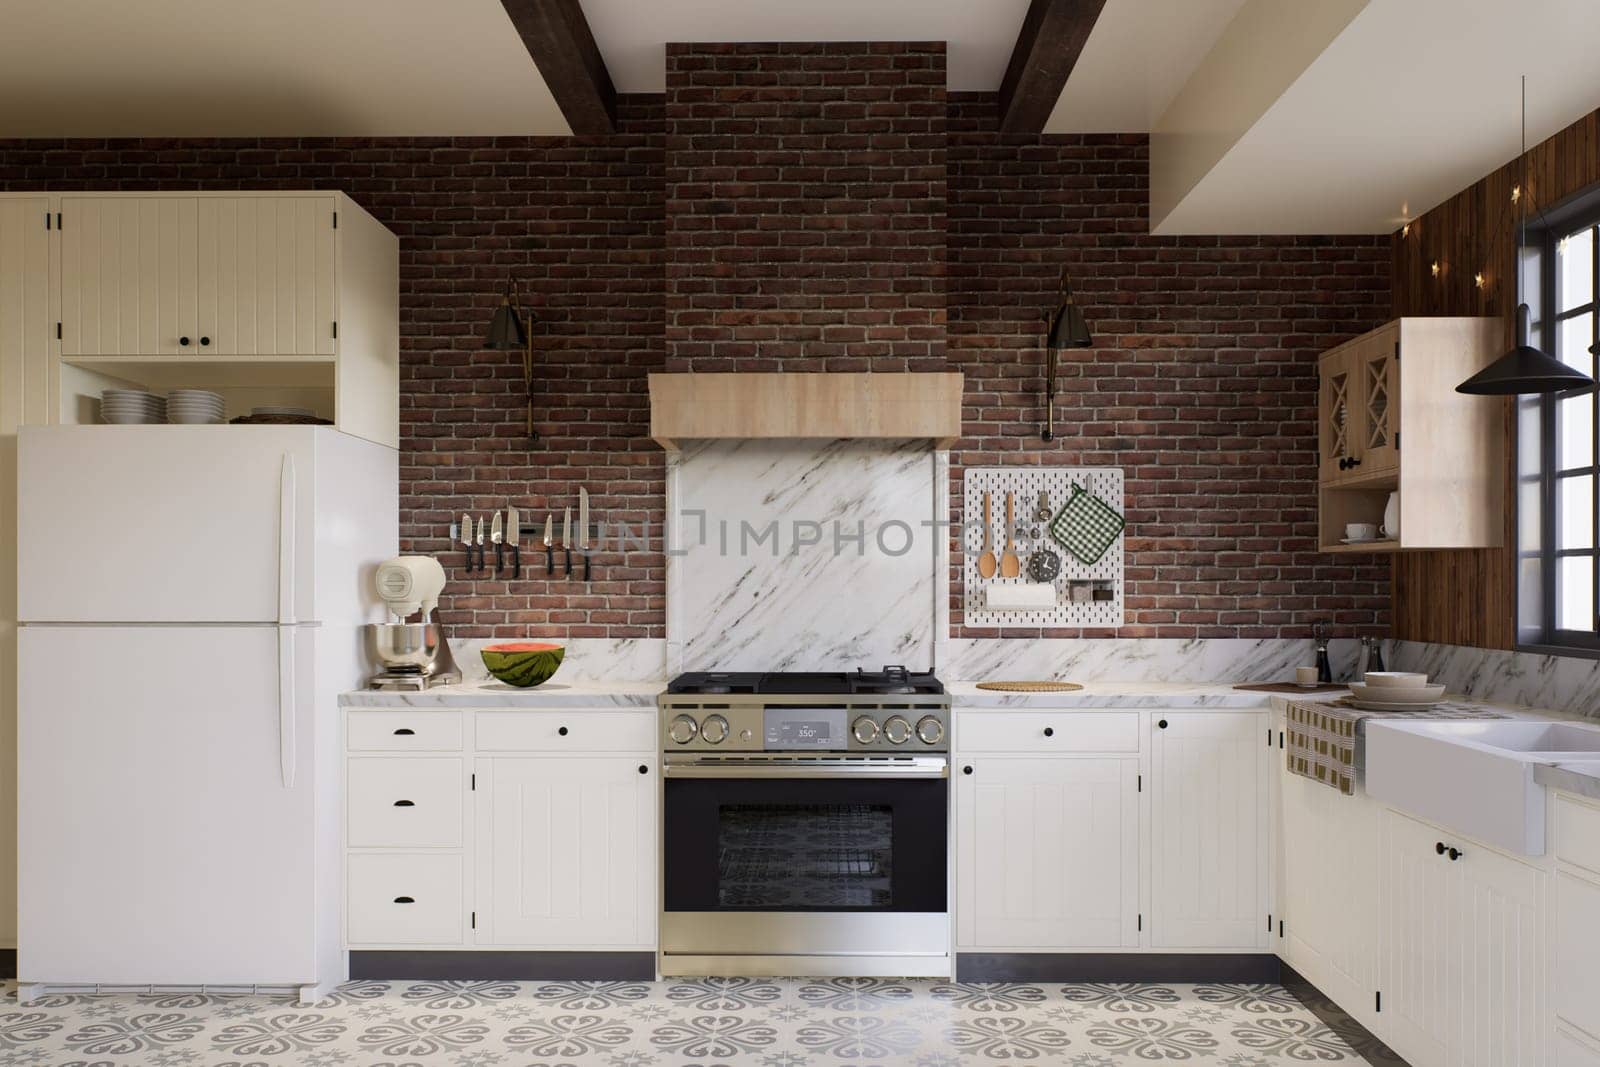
(777, 862)
(800, 836)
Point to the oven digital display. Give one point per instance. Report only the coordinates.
(802, 728)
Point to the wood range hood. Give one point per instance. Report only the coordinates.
(746, 406)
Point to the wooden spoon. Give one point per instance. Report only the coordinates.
(1010, 565)
(986, 562)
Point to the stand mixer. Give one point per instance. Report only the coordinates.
(414, 655)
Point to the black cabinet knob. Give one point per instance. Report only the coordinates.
(966, 770)
(404, 804)
(562, 731)
(184, 341)
(644, 769)
(404, 900)
(1438, 847)
(1049, 731)
(205, 341)
(1161, 724)
(1454, 853)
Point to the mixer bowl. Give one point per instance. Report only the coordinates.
(403, 644)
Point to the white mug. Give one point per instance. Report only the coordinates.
(1361, 531)
(1305, 675)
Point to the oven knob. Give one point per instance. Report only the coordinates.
(864, 730)
(930, 731)
(714, 730)
(897, 729)
(682, 729)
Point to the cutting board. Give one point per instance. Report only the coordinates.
(1290, 687)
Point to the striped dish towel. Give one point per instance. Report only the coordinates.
(1322, 739)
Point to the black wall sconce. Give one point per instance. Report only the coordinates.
(508, 330)
(1066, 328)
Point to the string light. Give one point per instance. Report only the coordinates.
(1516, 193)
(1477, 279)
(1405, 231)
(1435, 268)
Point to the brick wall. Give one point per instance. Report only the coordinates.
(1203, 386)
(805, 206)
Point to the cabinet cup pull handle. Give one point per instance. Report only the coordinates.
(1049, 731)
(405, 731)
(404, 900)
(966, 770)
(404, 804)
(1161, 724)
(562, 731)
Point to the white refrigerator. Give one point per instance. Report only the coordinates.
(190, 600)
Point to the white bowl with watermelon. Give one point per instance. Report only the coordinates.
(522, 663)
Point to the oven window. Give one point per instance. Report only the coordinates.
(795, 856)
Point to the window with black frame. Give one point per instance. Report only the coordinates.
(1570, 446)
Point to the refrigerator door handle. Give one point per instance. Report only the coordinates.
(286, 589)
(286, 693)
(286, 535)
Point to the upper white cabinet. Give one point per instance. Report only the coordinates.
(271, 298)
(1208, 854)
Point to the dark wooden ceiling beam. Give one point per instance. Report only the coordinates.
(558, 38)
(1052, 39)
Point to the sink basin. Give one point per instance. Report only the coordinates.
(1473, 776)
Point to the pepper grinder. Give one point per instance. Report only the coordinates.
(1319, 633)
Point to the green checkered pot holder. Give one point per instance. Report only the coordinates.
(1086, 526)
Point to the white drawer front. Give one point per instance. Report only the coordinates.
(1043, 732)
(406, 898)
(405, 803)
(403, 731)
(566, 731)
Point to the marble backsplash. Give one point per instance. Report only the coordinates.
(1556, 683)
(1197, 660)
(805, 555)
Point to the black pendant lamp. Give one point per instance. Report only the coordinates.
(1526, 370)
(507, 330)
(1068, 329)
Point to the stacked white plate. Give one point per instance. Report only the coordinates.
(194, 406)
(1394, 691)
(130, 407)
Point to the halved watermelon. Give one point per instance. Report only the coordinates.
(522, 663)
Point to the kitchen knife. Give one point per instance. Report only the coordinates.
(513, 535)
(583, 529)
(497, 535)
(466, 537)
(480, 542)
(566, 537)
(549, 539)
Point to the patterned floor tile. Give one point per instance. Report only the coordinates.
(820, 1022)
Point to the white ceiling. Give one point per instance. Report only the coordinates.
(1138, 56)
(266, 68)
(980, 33)
(1413, 101)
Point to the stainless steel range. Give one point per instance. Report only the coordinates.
(806, 824)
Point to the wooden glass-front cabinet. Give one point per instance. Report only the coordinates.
(1389, 421)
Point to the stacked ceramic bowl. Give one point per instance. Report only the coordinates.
(1395, 691)
(194, 406)
(129, 407)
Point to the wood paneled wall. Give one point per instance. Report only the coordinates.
(1468, 597)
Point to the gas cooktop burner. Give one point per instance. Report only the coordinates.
(892, 679)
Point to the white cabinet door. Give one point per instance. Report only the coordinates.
(128, 275)
(1574, 978)
(1209, 859)
(566, 851)
(1048, 852)
(1332, 881)
(1461, 971)
(266, 278)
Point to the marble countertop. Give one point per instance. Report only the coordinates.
(488, 693)
(1177, 695)
(1582, 778)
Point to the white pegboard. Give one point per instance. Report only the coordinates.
(1026, 483)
